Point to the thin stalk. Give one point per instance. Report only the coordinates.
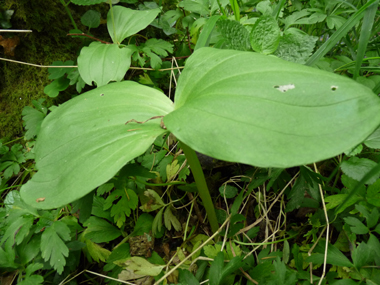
(113, 23)
(69, 13)
(200, 180)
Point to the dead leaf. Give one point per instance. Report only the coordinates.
(9, 45)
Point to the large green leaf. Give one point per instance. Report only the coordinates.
(84, 142)
(103, 63)
(260, 110)
(128, 22)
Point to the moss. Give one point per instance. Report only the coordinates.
(20, 84)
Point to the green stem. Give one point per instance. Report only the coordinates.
(200, 180)
(113, 23)
(160, 184)
(69, 13)
(13, 141)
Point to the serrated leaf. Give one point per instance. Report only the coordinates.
(155, 60)
(143, 267)
(211, 251)
(32, 280)
(28, 251)
(297, 194)
(294, 17)
(235, 35)
(213, 116)
(361, 255)
(373, 141)
(53, 89)
(143, 225)
(216, 269)
(154, 203)
(374, 245)
(32, 268)
(334, 257)
(13, 168)
(17, 230)
(186, 278)
(200, 7)
(90, 131)
(218, 272)
(99, 230)
(128, 22)
(335, 200)
(157, 222)
(357, 168)
(97, 252)
(171, 169)
(127, 201)
(170, 219)
(296, 47)
(265, 35)
(264, 7)
(373, 194)
(101, 63)
(357, 226)
(354, 151)
(91, 19)
(159, 46)
(33, 120)
(53, 247)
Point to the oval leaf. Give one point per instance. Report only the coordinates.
(91, 19)
(265, 35)
(84, 142)
(128, 22)
(260, 110)
(103, 63)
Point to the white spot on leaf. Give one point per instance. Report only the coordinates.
(284, 88)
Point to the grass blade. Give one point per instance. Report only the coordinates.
(341, 32)
(206, 32)
(278, 8)
(369, 17)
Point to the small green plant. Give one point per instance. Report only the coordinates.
(110, 190)
(262, 112)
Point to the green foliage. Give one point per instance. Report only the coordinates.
(53, 247)
(265, 35)
(5, 17)
(235, 36)
(128, 22)
(33, 118)
(101, 63)
(234, 105)
(91, 19)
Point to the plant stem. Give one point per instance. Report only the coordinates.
(113, 23)
(69, 13)
(200, 180)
